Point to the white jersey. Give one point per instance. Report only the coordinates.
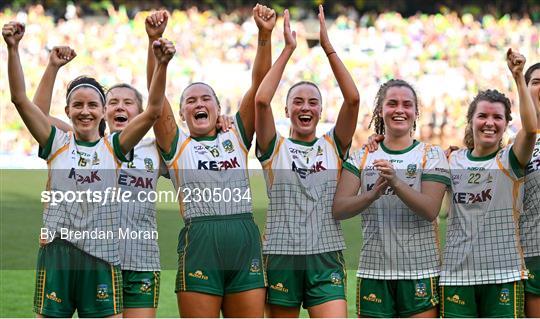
(530, 220)
(91, 224)
(399, 244)
(139, 248)
(210, 173)
(301, 182)
(482, 241)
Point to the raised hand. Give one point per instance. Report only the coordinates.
(61, 56)
(13, 33)
(290, 37)
(516, 62)
(156, 23)
(163, 50)
(323, 33)
(265, 18)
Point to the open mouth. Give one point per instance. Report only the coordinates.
(200, 115)
(85, 120)
(120, 118)
(489, 132)
(398, 118)
(305, 119)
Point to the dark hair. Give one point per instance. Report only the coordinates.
(492, 96)
(377, 118)
(303, 83)
(86, 81)
(202, 83)
(530, 71)
(138, 95)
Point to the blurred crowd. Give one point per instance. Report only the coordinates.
(446, 57)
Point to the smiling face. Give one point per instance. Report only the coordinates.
(399, 111)
(200, 110)
(488, 124)
(122, 106)
(304, 109)
(85, 110)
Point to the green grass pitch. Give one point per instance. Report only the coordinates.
(20, 221)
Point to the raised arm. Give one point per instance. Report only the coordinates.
(264, 119)
(58, 57)
(347, 202)
(33, 118)
(348, 114)
(265, 18)
(526, 137)
(165, 127)
(139, 126)
(425, 203)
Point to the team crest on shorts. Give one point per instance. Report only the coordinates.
(255, 266)
(504, 296)
(336, 279)
(411, 170)
(420, 290)
(149, 164)
(146, 286)
(228, 146)
(102, 292)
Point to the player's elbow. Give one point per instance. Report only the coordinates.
(261, 102)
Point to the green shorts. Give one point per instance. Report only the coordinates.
(141, 288)
(308, 280)
(532, 285)
(395, 298)
(220, 255)
(490, 300)
(69, 279)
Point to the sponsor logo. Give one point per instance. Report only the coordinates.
(476, 168)
(52, 296)
(455, 299)
(336, 279)
(411, 170)
(218, 165)
(255, 266)
(471, 198)
(95, 159)
(304, 172)
(279, 287)
(149, 165)
(133, 181)
(372, 298)
(432, 154)
(146, 286)
(84, 179)
(420, 290)
(198, 274)
(228, 146)
(199, 149)
(102, 292)
(504, 296)
(319, 151)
